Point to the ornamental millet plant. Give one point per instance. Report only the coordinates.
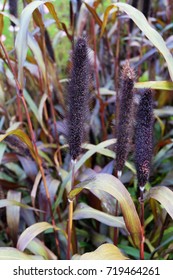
(125, 117)
(78, 98)
(144, 137)
(143, 149)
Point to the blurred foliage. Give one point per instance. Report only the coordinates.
(29, 227)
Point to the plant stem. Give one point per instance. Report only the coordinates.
(142, 222)
(70, 212)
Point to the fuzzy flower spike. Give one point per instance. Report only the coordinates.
(124, 128)
(144, 138)
(78, 96)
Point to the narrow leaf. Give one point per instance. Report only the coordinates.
(52, 11)
(35, 110)
(2, 151)
(165, 196)
(110, 184)
(35, 187)
(100, 148)
(38, 248)
(41, 106)
(21, 38)
(154, 37)
(161, 85)
(83, 211)
(33, 45)
(82, 160)
(30, 233)
(9, 202)
(22, 136)
(105, 19)
(95, 15)
(9, 253)
(13, 215)
(103, 252)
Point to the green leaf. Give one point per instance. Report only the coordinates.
(22, 136)
(9, 202)
(105, 18)
(52, 11)
(95, 15)
(73, 193)
(13, 214)
(35, 187)
(41, 107)
(9, 253)
(154, 37)
(31, 232)
(161, 85)
(34, 46)
(165, 196)
(133, 252)
(83, 211)
(103, 252)
(32, 106)
(22, 36)
(113, 186)
(11, 17)
(102, 151)
(100, 148)
(38, 248)
(164, 111)
(83, 159)
(2, 151)
(37, 111)
(107, 152)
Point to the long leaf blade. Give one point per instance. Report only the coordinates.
(21, 38)
(161, 85)
(83, 211)
(13, 214)
(9, 253)
(165, 196)
(154, 37)
(103, 252)
(22, 136)
(30, 233)
(110, 184)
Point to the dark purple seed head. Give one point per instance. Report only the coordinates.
(13, 4)
(124, 128)
(144, 137)
(78, 97)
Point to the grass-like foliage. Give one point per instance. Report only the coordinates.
(86, 95)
